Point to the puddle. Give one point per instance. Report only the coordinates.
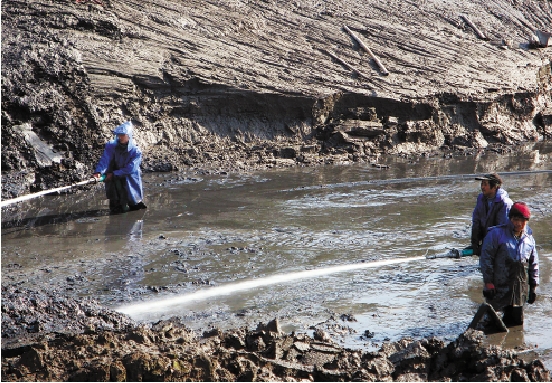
(302, 245)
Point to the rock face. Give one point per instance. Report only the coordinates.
(46, 337)
(241, 84)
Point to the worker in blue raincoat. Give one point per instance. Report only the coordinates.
(120, 163)
(510, 265)
(491, 209)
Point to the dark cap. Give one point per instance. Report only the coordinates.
(520, 209)
(493, 177)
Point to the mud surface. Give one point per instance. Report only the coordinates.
(229, 251)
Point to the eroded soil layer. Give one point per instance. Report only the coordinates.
(240, 85)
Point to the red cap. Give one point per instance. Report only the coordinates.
(520, 209)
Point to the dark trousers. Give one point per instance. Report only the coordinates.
(513, 315)
(116, 193)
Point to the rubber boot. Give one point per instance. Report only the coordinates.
(140, 205)
(513, 315)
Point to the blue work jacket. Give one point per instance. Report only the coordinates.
(504, 259)
(124, 161)
(496, 215)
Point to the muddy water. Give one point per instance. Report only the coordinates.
(338, 247)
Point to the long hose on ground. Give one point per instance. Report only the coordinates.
(389, 181)
(49, 191)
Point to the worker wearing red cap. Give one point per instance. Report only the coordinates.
(510, 265)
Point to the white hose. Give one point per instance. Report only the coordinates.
(34, 195)
(38, 194)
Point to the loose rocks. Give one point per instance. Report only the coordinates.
(46, 337)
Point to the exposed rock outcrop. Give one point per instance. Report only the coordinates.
(241, 84)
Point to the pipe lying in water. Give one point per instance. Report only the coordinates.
(389, 181)
(163, 304)
(432, 178)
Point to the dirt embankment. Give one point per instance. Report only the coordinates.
(47, 337)
(237, 85)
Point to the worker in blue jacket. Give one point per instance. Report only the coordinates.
(120, 163)
(491, 209)
(510, 265)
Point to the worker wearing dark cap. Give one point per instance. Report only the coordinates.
(491, 209)
(510, 265)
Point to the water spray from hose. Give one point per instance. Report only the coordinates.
(163, 304)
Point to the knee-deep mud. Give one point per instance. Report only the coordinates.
(335, 254)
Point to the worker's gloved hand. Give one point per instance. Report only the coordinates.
(532, 295)
(476, 249)
(96, 175)
(489, 291)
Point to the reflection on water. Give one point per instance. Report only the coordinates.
(296, 244)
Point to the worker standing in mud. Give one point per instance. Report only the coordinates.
(491, 209)
(120, 163)
(510, 264)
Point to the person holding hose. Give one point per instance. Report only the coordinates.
(491, 209)
(120, 164)
(510, 265)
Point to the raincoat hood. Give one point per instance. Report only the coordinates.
(501, 194)
(125, 128)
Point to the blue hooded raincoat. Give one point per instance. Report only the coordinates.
(484, 217)
(507, 263)
(124, 162)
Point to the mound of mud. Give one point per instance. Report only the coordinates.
(47, 337)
